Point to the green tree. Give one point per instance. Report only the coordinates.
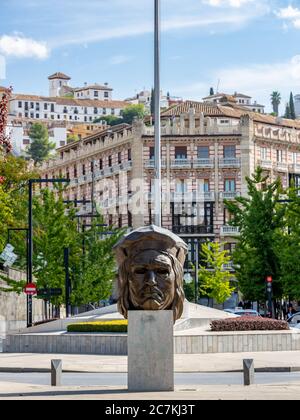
(40, 146)
(288, 247)
(152, 104)
(258, 216)
(189, 291)
(5, 144)
(292, 107)
(110, 120)
(211, 91)
(6, 216)
(275, 101)
(133, 111)
(287, 113)
(214, 279)
(94, 278)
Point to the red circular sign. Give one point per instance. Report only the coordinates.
(30, 289)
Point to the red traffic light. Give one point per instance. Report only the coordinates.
(269, 279)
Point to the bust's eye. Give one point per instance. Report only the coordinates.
(162, 271)
(140, 270)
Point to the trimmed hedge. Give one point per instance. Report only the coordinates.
(99, 326)
(248, 323)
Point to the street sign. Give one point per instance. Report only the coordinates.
(47, 293)
(30, 289)
(8, 256)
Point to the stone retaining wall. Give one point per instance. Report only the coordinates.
(116, 344)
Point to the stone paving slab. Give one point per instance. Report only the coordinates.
(15, 391)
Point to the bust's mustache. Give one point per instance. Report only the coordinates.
(152, 292)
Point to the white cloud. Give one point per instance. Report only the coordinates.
(230, 3)
(21, 47)
(291, 14)
(257, 80)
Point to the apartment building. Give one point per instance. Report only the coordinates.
(207, 151)
(238, 98)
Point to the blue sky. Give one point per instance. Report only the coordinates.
(248, 46)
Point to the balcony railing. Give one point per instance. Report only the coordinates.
(203, 163)
(265, 164)
(229, 266)
(281, 166)
(294, 168)
(230, 231)
(181, 163)
(229, 195)
(229, 162)
(203, 196)
(150, 164)
(194, 229)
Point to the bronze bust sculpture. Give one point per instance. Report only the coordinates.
(150, 261)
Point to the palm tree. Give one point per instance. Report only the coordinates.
(275, 100)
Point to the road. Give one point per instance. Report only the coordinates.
(120, 379)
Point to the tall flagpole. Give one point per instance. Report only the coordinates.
(157, 113)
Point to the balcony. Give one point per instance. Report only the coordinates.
(281, 166)
(150, 164)
(229, 195)
(181, 163)
(230, 231)
(228, 267)
(265, 164)
(294, 168)
(199, 197)
(229, 163)
(203, 163)
(192, 230)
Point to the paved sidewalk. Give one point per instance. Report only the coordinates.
(13, 391)
(216, 362)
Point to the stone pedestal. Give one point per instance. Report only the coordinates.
(150, 351)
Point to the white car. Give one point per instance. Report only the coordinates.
(246, 312)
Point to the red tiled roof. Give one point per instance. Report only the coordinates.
(72, 102)
(59, 75)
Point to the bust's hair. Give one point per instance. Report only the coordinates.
(124, 303)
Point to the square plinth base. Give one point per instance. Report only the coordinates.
(150, 351)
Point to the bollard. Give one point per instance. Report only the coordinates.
(56, 372)
(248, 366)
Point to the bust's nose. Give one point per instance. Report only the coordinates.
(150, 278)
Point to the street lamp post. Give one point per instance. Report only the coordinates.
(30, 238)
(157, 124)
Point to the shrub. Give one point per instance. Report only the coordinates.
(99, 326)
(248, 323)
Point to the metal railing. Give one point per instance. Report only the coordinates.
(181, 163)
(203, 163)
(193, 229)
(230, 230)
(229, 195)
(229, 162)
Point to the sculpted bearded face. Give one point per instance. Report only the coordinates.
(151, 281)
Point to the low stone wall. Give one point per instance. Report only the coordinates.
(116, 344)
(13, 307)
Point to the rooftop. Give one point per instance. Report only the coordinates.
(59, 75)
(95, 87)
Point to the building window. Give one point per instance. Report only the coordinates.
(26, 114)
(109, 161)
(181, 186)
(83, 169)
(37, 106)
(31, 115)
(181, 152)
(119, 157)
(152, 153)
(295, 158)
(203, 152)
(85, 119)
(100, 164)
(92, 167)
(96, 93)
(229, 151)
(129, 219)
(26, 106)
(104, 111)
(229, 185)
(95, 110)
(58, 116)
(52, 117)
(106, 95)
(230, 247)
(75, 111)
(227, 216)
(32, 105)
(52, 108)
(204, 185)
(112, 111)
(37, 116)
(65, 111)
(75, 171)
(129, 155)
(45, 116)
(25, 141)
(20, 104)
(62, 143)
(264, 153)
(46, 107)
(85, 110)
(279, 155)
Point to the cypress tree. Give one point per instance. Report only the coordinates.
(292, 107)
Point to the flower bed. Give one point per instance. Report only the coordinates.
(248, 323)
(99, 326)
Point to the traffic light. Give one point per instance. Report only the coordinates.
(269, 284)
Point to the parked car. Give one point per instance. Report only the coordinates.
(294, 319)
(246, 312)
(230, 311)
